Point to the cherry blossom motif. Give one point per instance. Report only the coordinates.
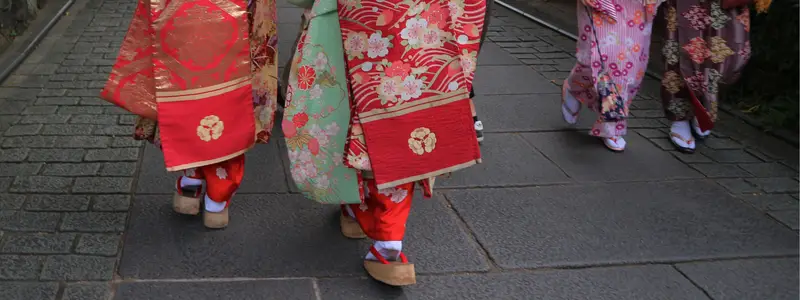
(398, 68)
(221, 173)
(389, 88)
(412, 88)
(321, 62)
(697, 82)
(670, 51)
(456, 9)
(306, 77)
(356, 44)
(414, 31)
(436, 15)
(319, 134)
(672, 82)
(468, 61)
(322, 182)
(211, 127)
(396, 195)
(432, 38)
(698, 17)
(315, 92)
(378, 46)
(718, 16)
(719, 50)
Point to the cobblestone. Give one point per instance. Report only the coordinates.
(94, 222)
(98, 244)
(38, 243)
(16, 267)
(87, 291)
(111, 203)
(58, 203)
(77, 267)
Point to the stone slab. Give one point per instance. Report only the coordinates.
(625, 283)
(585, 158)
(619, 223)
(286, 36)
(284, 289)
(774, 279)
(521, 113)
(263, 172)
(280, 236)
(507, 161)
(492, 55)
(510, 80)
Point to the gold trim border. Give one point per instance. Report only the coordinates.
(429, 174)
(209, 162)
(379, 114)
(204, 92)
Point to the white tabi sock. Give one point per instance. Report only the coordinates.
(388, 249)
(214, 206)
(349, 211)
(186, 181)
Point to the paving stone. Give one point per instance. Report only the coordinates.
(98, 244)
(114, 203)
(729, 156)
(722, 144)
(263, 172)
(76, 110)
(44, 119)
(737, 186)
(41, 184)
(38, 243)
(56, 155)
(101, 185)
(22, 130)
(511, 161)
(650, 133)
(18, 267)
(787, 217)
(492, 55)
(119, 169)
(28, 290)
(94, 119)
(13, 155)
(26, 142)
(283, 289)
(644, 123)
(720, 170)
(663, 144)
(5, 183)
(775, 185)
(40, 110)
(19, 169)
(125, 142)
(77, 169)
(57, 203)
(619, 283)
(769, 170)
(78, 267)
(87, 291)
(114, 130)
(434, 233)
(57, 100)
(774, 279)
(115, 154)
(515, 113)
(619, 223)
(771, 202)
(68, 129)
(29, 221)
(506, 80)
(94, 222)
(12, 201)
(83, 141)
(691, 158)
(584, 158)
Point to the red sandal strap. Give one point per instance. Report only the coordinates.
(378, 255)
(403, 258)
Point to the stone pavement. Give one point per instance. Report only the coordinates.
(85, 213)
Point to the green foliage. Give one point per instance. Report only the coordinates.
(768, 89)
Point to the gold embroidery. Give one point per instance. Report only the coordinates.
(211, 127)
(422, 141)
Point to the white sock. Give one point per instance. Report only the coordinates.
(214, 206)
(699, 131)
(349, 211)
(388, 249)
(683, 129)
(186, 181)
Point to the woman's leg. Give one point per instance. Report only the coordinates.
(222, 180)
(383, 217)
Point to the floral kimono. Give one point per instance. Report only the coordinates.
(706, 46)
(397, 85)
(624, 45)
(202, 77)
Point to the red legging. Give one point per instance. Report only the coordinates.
(222, 179)
(384, 213)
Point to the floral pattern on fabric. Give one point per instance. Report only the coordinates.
(715, 47)
(625, 47)
(317, 112)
